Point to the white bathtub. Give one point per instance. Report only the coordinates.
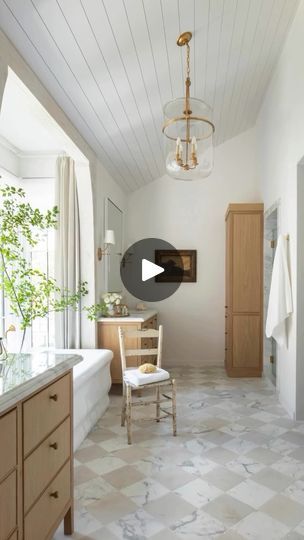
(92, 382)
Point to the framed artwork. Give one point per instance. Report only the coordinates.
(179, 265)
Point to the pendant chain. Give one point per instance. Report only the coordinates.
(188, 60)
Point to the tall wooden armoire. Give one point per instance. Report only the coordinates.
(244, 290)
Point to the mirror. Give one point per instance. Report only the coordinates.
(114, 221)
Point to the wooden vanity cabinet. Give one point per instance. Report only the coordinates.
(8, 474)
(244, 290)
(36, 464)
(108, 339)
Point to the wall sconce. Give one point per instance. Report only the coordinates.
(109, 240)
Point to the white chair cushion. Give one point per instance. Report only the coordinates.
(136, 378)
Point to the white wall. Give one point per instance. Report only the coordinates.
(280, 146)
(191, 215)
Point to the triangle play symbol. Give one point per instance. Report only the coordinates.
(149, 269)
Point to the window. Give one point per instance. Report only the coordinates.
(41, 256)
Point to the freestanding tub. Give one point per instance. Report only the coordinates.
(92, 382)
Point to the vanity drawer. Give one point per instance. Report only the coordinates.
(8, 506)
(8, 443)
(44, 411)
(44, 514)
(43, 464)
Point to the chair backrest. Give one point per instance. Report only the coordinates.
(138, 335)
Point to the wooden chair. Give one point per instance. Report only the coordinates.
(129, 386)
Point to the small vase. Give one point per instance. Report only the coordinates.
(110, 310)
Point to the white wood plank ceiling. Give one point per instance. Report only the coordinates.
(112, 65)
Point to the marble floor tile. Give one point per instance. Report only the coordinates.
(220, 455)
(284, 509)
(196, 525)
(260, 526)
(198, 492)
(82, 474)
(137, 525)
(88, 453)
(91, 491)
(235, 471)
(294, 437)
(111, 507)
(263, 455)
(293, 535)
(105, 464)
(289, 466)
(297, 453)
(223, 478)
(272, 479)
(124, 476)
(245, 466)
(227, 509)
(169, 508)
(173, 478)
(300, 528)
(217, 437)
(251, 493)
(145, 491)
(132, 454)
(239, 446)
(296, 491)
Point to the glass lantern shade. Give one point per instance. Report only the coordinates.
(188, 139)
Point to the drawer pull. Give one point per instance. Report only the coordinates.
(54, 446)
(54, 397)
(54, 494)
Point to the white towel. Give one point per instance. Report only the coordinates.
(136, 377)
(280, 297)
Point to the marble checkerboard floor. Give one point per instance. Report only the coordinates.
(235, 470)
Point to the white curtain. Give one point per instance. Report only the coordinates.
(3, 78)
(67, 251)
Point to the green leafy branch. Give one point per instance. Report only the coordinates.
(30, 292)
(96, 310)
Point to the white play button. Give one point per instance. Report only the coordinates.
(149, 269)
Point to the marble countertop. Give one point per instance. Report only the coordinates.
(23, 374)
(134, 316)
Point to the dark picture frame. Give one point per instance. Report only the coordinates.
(172, 260)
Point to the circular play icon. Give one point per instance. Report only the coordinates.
(151, 269)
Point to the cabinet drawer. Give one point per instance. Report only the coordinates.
(43, 412)
(42, 517)
(8, 505)
(43, 464)
(8, 443)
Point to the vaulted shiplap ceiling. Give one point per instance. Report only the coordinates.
(112, 65)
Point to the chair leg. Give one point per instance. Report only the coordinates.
(124, 405)
(174, 406)
(157, 403)
(129, 414)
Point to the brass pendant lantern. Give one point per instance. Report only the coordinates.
(188, 131)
